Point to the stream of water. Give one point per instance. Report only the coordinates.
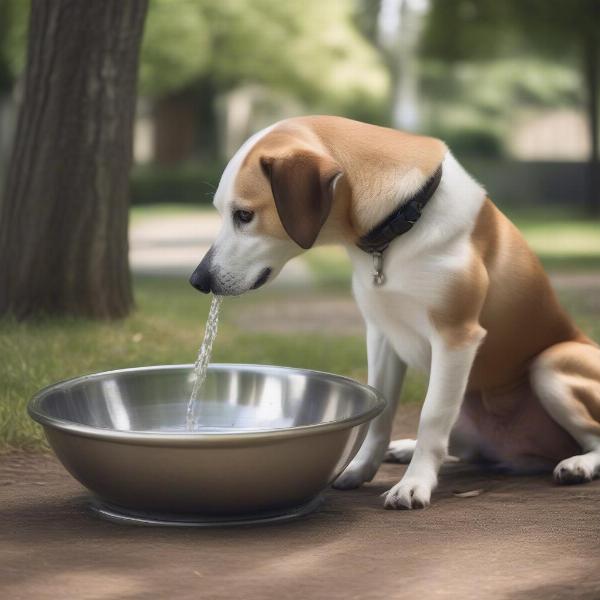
(201, 366)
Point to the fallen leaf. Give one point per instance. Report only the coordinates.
(467, 494)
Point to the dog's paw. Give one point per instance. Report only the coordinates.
(576, 469)
(408, 493)
(400, 451)
(354, 476)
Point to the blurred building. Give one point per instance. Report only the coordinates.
(557, 135)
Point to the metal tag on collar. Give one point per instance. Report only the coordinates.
(378, 276)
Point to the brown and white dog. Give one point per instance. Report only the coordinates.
(511, 378)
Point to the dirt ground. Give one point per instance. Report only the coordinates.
(522, 538)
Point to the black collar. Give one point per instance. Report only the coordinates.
(401, 220)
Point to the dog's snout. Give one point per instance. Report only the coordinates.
(201, 278)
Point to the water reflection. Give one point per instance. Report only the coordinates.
(115, 405)
(240, 398)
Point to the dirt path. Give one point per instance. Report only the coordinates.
(523, 538)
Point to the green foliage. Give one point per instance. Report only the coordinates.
(466, 141)
(559, 29)
(13, 40)
(476, 104)
(191, 182)
(497, 58)
(310, 49)
(176, 46)
(467, 29)
(482, 29)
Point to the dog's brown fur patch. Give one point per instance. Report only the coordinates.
(506, 292)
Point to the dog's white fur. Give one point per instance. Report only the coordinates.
(419, 268)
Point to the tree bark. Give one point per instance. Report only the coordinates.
(591, 62)
(64, 213)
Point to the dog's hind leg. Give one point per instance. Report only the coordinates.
(386, 373)
(464, 443)
(400, 451)
(566, 378)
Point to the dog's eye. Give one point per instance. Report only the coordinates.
(243, 216)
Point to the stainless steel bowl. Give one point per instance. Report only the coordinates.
(270, 440)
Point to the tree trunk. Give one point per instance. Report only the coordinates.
(64, 213)
(591, 61)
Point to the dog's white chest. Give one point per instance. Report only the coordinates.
(402, 320)
(417, 281)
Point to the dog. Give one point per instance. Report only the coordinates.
(446, 285)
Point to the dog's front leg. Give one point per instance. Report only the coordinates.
(386, 373)
(450, 368)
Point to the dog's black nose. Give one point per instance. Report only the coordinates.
(201, 278)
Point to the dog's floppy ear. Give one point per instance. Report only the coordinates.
(302, 183)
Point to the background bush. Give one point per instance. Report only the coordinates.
(188, 183)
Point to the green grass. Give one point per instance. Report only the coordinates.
(330, 267)
(562, 241)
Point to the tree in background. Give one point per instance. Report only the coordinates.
(64, 212)
(480, 30)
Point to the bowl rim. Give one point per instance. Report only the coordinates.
(184, 438)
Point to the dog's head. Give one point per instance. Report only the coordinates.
(303, 181)
(274, 197)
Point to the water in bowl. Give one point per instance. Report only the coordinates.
(201, 366)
